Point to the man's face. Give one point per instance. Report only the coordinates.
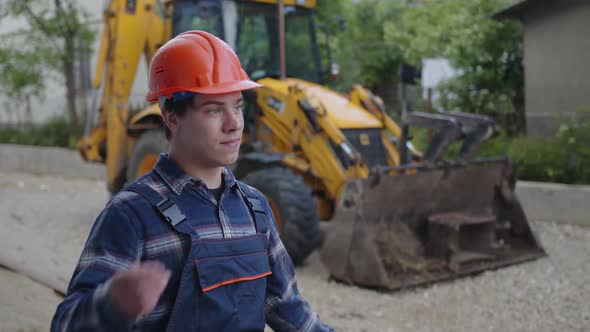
(210, 132)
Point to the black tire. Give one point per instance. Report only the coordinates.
(299, 224)
(149, 143)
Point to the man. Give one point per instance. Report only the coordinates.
(187, 247)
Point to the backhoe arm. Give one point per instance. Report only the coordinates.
(130, 29)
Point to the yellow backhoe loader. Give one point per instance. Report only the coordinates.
(400, 217)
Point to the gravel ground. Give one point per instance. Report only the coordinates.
(45, 220)
(25, 305)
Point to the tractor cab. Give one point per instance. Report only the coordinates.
(251, 28)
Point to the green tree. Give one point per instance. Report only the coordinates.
(54, 38)
(360, 49)
(487, 54)
(330, 17)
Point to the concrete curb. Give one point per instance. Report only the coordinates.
(555, 202)
(541, 201)
(47, 161)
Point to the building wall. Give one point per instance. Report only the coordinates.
(557, 62)
(53, 101)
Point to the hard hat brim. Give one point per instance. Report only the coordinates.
(228, 87)
(218, 89)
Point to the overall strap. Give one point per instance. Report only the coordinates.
(167, 208)
(256, 208)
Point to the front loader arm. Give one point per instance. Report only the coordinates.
(364, 98)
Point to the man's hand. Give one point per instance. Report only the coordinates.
(135, 292)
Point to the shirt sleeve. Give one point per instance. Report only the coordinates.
(285, 308)
(113, 245)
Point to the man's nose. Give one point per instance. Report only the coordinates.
(234, 121)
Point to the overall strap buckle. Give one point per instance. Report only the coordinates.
(167, 208)
(170, 211)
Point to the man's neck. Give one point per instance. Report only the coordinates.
(212, 176)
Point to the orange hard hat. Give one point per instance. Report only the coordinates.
(198, 62)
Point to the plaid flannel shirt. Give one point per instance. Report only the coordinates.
(120, 237)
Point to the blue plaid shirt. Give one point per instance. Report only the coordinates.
(120, 238)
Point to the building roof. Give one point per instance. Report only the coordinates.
(516, 11)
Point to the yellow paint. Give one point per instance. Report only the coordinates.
(364, 139)
(152, 110)
(147, 164)
(89, 145)
(344, 113)
(299, 164)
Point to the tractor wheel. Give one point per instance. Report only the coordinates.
(294, 208)
(145, 153)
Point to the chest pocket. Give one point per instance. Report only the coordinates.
(231, 275)
(215, 272)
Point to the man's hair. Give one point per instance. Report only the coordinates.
(179, 107)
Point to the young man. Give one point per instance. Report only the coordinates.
(187, 247)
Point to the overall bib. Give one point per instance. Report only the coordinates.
(223, 284)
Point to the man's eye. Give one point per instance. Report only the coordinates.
(239, 108)
(215, 111)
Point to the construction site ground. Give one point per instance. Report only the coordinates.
(45, 220)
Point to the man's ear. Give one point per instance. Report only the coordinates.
(170, 119)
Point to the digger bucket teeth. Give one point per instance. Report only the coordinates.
(441, 222)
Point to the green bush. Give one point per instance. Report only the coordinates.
(56, 132)
(564, 158)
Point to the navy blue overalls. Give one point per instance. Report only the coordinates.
(223, 284)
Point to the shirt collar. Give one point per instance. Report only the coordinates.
(176, 178)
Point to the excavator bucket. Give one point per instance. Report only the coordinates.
(427, 224)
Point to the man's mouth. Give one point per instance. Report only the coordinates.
(232, 143)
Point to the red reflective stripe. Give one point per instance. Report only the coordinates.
(233, 281)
